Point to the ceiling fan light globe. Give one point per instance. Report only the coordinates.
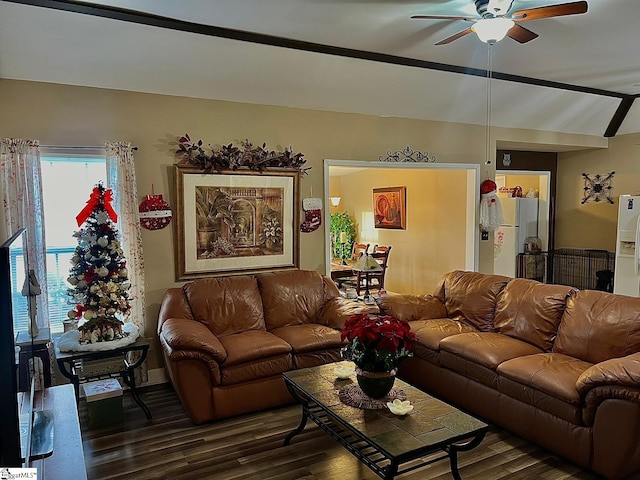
(492, 30)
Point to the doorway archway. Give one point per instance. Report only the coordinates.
(441, 231)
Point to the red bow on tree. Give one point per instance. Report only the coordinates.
(98, 197)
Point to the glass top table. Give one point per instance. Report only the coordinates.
(388, 444)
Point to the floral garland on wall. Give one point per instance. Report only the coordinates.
(232, 157)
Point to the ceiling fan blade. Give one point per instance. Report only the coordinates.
(571, 8)
(444, 17)
(454, 37)
(521, 34)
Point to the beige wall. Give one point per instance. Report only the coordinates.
(70, 115)
(525, 181)
(433, 242)
(593, 225)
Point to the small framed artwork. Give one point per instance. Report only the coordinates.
(236, 221)
(389, 207)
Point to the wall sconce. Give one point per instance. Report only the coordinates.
(335, 201)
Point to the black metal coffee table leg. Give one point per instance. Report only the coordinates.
(305, 414)
(299, 428)
(454, 448)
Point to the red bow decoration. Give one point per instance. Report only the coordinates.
(96, 198)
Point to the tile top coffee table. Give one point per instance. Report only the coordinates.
(389, 445)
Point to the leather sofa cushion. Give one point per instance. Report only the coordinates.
(313, 359)
(226, 305)
(471, 297)
(485, 348)
(597, 326)
(337, 310)
(411, 307)
(309, 337)
(256, 370)
(431, 332)
(531, 311)
(513, 391)
(476, 355)
(252, 345)
(552, 373)
(294, 297)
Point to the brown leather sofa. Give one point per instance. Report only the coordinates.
(226, 341)
(557, 366)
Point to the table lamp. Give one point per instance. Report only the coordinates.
(367, 265)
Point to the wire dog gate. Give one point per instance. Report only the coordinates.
(585, 269)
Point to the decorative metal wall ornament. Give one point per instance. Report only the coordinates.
(598, 188)
(407, 155)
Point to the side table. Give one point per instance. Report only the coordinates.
(71, 362)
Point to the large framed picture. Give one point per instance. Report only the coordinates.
(389, 207)
(237, 221)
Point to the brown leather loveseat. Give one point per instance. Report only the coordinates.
(226, 341)
(557, 366)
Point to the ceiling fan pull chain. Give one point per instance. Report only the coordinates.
(488, 130)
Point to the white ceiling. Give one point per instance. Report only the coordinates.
(598, 49)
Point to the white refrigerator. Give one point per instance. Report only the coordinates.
(520, 222)
(626, 280)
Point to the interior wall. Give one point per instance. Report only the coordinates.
(433, 242)
(593, 225)
(526, 182)
(70, 115)
(82, 116)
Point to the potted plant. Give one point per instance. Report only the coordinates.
(338, 223)
(377, 344)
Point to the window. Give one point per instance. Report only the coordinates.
(67, 182)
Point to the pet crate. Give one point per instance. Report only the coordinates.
(585, 269)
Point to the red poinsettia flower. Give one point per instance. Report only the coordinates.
(377, 343)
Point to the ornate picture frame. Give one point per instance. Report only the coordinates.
(389, 207)
(236, 221)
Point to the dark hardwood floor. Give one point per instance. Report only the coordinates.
(251, 447)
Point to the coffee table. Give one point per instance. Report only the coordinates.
(389, 445)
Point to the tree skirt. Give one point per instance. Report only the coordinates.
(353, 396)
(70, 341)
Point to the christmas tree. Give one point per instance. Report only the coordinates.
(98, 274)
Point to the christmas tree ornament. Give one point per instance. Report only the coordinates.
(98, 287)
(155, 213)
(313, 214)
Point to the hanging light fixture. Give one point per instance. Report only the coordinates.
(492, 30)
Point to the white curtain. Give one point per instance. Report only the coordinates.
(21, 179)
(121, 179)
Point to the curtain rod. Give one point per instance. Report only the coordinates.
(78, 147)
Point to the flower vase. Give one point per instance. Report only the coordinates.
(376, 385)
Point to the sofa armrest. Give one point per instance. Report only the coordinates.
(411, 307)
(617, 378)
(624, 371)
(183, 335)
(337, 310)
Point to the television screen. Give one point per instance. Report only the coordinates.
(13, 270)
(25, 434)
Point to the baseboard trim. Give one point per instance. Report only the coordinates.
(156, 376)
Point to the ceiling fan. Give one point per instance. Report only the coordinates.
(494, 21)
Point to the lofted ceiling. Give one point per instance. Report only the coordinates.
(360, 56)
